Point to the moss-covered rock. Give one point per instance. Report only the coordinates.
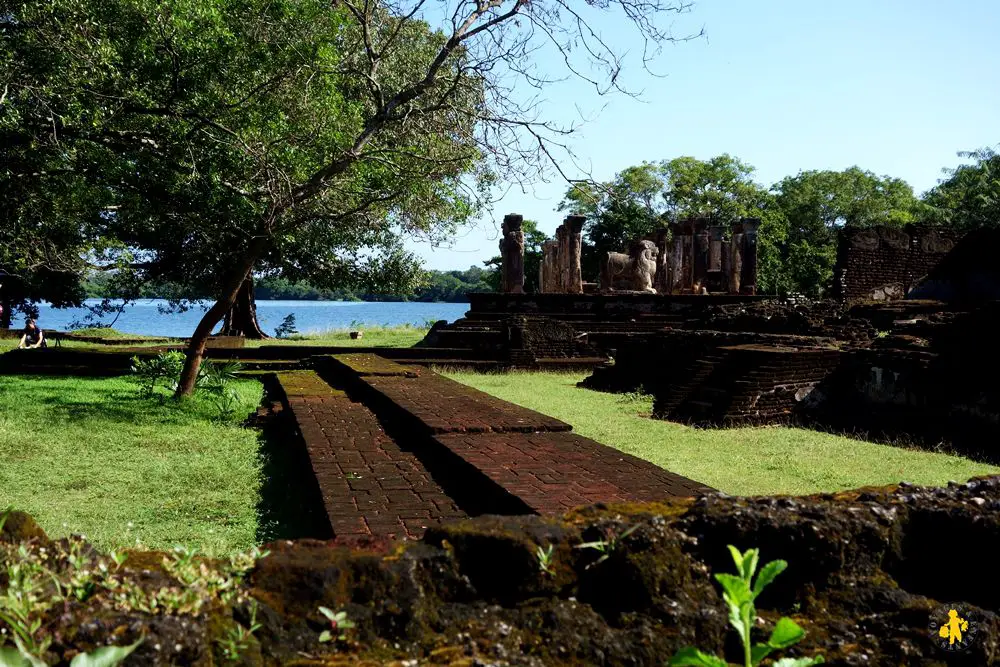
(868, 572)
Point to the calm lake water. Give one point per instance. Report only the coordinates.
(310, 316)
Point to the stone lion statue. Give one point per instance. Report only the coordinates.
(635, 271)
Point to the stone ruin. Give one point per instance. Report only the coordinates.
(918, 370)
(694, 256)
(560, 269)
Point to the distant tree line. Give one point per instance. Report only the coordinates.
(447, 286)
(800, 215)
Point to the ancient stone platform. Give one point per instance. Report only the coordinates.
(396, 449)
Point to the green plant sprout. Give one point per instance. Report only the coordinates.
(608, 545)
(106, 656)
(545, 559)
(739, 591)
(238, 638)
(338, 623)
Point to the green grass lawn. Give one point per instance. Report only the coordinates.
(373, 336)
(739, 461)
(93, 456)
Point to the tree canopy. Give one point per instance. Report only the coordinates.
(300, 138)
(970, 197)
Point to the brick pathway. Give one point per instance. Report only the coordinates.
(528, 455)
(369, 485)
(552, 473)
(439, 405)
(451, 452)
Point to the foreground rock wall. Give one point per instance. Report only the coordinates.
(868, 571)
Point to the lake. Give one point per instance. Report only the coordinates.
(144, 317)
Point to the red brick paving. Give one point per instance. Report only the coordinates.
(441, 405)
(370, 487)
(513, 459)
(555, 472)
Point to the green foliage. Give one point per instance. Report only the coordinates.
(238, 638)
(287, 327)
(970, 197)
(739, 592)
(164, 367)
(106, 656)
(607, 546)
(338, 623)
(816, 204)
(217, 378)
(38, 579)
(545, 559)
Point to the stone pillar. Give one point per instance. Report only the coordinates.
(687, 257)
(748, 273)
(662, 281)
(549, 280)
(736, 259)
(676, 258)
(562, 257)
(512, 255)
(574, 232)
(715, 236)
(701, 255)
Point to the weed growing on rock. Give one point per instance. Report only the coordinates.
(338, 623)
(608, 545)
(237, 639)
(106, 656)
(739, 591)
(38, 579)
(545, 559)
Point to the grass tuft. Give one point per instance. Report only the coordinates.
(739, 461)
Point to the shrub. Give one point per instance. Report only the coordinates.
(287, 327)
(165, 366)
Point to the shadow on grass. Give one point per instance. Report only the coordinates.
(290, 506)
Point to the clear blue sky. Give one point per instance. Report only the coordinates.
(893, 86)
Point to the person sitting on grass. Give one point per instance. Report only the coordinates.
(32, 337)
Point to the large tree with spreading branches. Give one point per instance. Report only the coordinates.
(229, 138)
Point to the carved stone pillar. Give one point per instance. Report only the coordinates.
(676, 258)
(687, 257)
(574, 230)
(748, 273)
(562, 256)
(701, 255)
(715, 236)
(736, 259)
(549, 281)
(512, 255)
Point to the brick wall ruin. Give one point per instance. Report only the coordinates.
(885, 263)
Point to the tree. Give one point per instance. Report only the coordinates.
(533, 240)
(294, 137)
(970, 197)
(815, 204)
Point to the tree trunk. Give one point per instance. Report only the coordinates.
(196, 348)
(241, 320)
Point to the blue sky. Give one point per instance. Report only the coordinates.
(894, 86)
